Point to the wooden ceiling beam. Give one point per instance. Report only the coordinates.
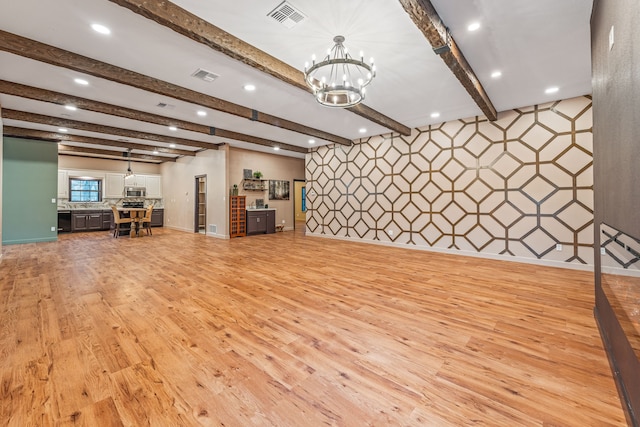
(426, 18)
(197, 29)
(67, 149)
(109, 130)
(30, 92)
(35, 50)
(53, 136)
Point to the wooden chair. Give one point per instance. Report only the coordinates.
(146, 220)
(117, 220)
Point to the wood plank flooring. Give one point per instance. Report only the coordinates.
(180, 329)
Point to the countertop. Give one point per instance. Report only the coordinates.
(260, 209)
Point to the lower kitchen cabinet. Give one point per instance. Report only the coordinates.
(157, 218)
(86, 220)
(261, 221)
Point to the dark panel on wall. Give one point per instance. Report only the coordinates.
(616, 129)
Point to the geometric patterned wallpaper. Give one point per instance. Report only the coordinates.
(515, 187)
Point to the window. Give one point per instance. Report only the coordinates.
(85, 190)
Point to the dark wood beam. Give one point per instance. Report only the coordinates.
(54, 136)
(189, 25)
(256, 140)
(67, 149)
(45, 95)
(426, 18)
(61, 58)
(109, 130)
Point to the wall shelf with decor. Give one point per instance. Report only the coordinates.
(253, 184)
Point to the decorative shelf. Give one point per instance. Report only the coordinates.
(252, 184)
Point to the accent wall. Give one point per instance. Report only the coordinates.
(518, 188)
(29, 185)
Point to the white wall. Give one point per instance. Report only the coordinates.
(178, 186)
(87, 163)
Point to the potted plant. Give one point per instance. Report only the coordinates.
(257, 174)
(234, 190)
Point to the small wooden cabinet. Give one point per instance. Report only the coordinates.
(237, 216)
(261, 221)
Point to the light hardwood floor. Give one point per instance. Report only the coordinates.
(180, 329)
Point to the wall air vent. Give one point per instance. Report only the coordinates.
(287, 14)
(205, 75)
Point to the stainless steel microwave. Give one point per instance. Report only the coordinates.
(135, 192)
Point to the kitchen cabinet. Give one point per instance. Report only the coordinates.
(154, 186)
(157, 218)
(63, 184)
(107, 217)
(86, 220)
(261, 221)
(113, 185)
(135, 181)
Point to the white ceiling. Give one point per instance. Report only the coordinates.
(536, 44)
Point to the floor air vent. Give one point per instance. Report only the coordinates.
(287, 14)
(213, 228)
(205, 75)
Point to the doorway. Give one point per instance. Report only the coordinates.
(200, 217)
(299, 203)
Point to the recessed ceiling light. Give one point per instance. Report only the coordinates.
(276, 148)
(550, 90)
(362, 130)
(82, 82)
(71, 107)
(312, 141)
(63, 130)
(172, 145)
(496, 74)
(155, 151)
(435, 115)
(249, 87)
(98, 28)
(202, 113)
(473, 26)
(173, 128)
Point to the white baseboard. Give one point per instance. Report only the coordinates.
(546, 263)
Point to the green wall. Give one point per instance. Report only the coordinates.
(29, 183)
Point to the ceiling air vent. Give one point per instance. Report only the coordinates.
(205, 75)
(287, 14)
(165, 105)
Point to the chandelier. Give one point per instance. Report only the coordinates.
(339, 80)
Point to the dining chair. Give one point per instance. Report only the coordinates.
(146, 220)
(117, 219)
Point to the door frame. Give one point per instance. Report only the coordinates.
(196, 201)
(295, 194)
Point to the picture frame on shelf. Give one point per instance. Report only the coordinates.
(278, 189)
(247, 173)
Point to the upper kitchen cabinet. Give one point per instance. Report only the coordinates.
(114, 185)
(63, 184)
(135, 181)
(154, 186)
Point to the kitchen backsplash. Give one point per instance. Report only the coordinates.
(106, 203)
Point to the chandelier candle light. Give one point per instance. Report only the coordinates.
(339, 80)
